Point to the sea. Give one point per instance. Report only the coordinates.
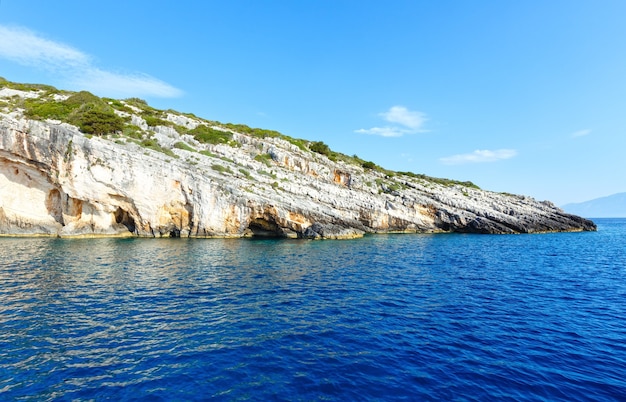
(411, 317)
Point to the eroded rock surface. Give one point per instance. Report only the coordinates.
(54, 180)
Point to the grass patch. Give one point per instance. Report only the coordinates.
(246, 174)
(207, 153)
(266, 173)
(154, 145)
(132, 131)
(184, 146)
(221, 169)
(264, 158)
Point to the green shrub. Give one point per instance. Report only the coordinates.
(263, 133)
(368, 165)
(136, 102)
(83, 98)
(118, 105)
(320, 148)
(153, 121)
(35, 109)
(323, 149)
(210, 135)
(98, 122)
(132, 131)
(444, 182)
(91, 114)
(149, 143)
(297, 142)
(254, 132)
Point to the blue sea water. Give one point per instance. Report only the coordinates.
(387, 317)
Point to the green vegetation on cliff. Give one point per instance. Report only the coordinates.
(209, 135)
(86, 111)
(104, 116)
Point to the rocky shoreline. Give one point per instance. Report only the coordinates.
(58, 181)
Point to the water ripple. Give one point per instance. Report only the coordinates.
(450, 317)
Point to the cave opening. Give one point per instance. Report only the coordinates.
(263, 228)
(123, 217)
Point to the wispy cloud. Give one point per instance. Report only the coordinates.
(581, 133)
(77, 68)
(26, 48)
(404, 122)
(479, 156)
(101, 81)
(383, 131)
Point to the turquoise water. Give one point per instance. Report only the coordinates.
(393, 317)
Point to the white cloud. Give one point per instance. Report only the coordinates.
(382, 131)
(121, 85)
(405, 122)
(75, 67)
(404, 117)
(479, 156)
(25, 47)
(581, 133)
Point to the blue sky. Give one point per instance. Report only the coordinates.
(525, 97)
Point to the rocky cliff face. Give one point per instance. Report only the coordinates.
(55, 180)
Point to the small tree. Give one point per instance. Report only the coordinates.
(368, 165)
(320, 148)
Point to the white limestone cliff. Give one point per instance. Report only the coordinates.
(56, 181)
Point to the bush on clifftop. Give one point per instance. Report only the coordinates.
(91, 114)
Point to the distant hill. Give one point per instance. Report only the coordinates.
(612, 206)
